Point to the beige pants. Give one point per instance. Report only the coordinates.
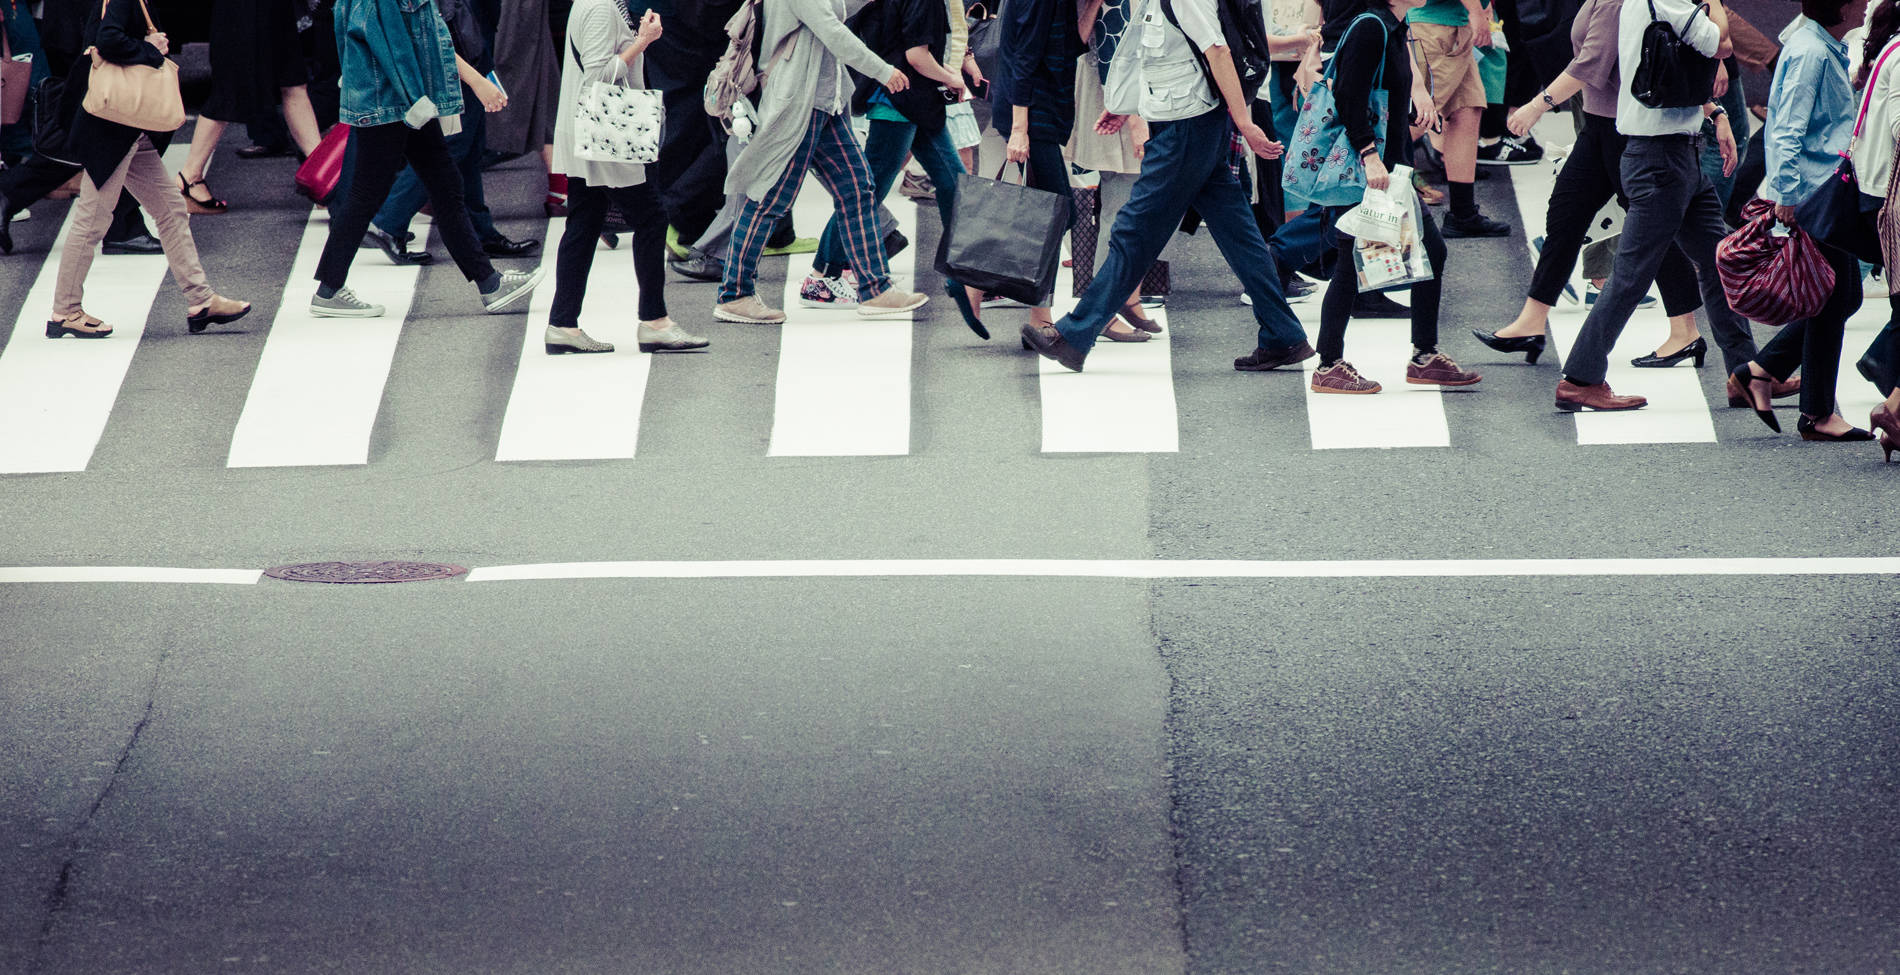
(144, 175)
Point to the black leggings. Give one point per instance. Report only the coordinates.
(586, 214)
(1335, 308)
(379, 152)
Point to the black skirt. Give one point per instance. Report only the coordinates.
(254, 52)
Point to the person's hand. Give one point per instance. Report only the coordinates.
(1785, 214)
(1424, 109)
(1377, 177)
(158, 40)
(1310, 39)
(1521, 120)
(896, 82)
(1017, 149)
(490, 96)
(1305, 77)
(650, 28)
(1258, 142)
(1138, 135)
(1721, 78)
(972, 71)
(1725, 144)
(1110, 123)
(1481, 36)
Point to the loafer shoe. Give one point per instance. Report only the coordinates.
(1045, 341)
(1577, 398)
(1377, 305)
(697, 267)
(397, 248)
(672, 338)
(1476, 225)
(501, 246)
(142, 244)
(1261, 360)
(562, 341)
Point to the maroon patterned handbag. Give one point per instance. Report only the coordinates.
(1769, 279)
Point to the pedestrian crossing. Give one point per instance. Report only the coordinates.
(841, 386)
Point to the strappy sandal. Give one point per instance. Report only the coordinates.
(1133, 315)
(80, 326)
(195, 205)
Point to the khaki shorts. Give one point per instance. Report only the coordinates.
(1450, 69)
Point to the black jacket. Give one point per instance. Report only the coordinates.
(98, 145)
(891, 28)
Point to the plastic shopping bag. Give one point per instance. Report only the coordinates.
(1385, 266)
(1377, 217)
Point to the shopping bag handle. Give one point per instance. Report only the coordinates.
(1022, 169)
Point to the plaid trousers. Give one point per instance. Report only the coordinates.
(832, 151)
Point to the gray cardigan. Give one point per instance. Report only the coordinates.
(796, 35)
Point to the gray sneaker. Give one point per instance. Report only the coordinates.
(343, 304)
(515, 285)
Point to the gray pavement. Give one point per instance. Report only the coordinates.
(1361, 775)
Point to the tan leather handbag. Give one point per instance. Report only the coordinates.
(15, 78)
(136, 95)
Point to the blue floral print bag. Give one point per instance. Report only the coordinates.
(1320, 164)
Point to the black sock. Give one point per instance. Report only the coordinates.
(491, 284)
(1491, 123)
(325, 292)
(1419, 354)
(1463, 205)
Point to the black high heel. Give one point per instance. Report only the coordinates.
(1531, 345)
(1806, 427)
(1746, 378)
(1697, 350)
(962, 299)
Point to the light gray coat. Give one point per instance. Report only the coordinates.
(796, 34)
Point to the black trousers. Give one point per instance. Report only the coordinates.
(586, 213)
(1590, 178)
(1335, 308)
(690, 175)
(379, 154)
(30, 181)
(1813, 345)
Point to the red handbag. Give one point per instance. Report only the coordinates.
(1769, 279)
(319, 174)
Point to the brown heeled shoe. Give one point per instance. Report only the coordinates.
(1132, 335)
(1886, 428)
(195, 205)
(1133, 315)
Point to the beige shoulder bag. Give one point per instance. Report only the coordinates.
(137, 95)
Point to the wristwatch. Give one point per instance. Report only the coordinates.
(1717, 113)
(1548, 103)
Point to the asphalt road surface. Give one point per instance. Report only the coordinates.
(1146, 670)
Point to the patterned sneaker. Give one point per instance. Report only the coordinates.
(1341, 377)
(823, 292)
(1437, 369)
(343, 304)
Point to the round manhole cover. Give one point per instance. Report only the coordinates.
(360, 572)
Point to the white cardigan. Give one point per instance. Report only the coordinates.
(596, 28)
(1873, 151)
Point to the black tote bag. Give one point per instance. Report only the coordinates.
(1004, 238)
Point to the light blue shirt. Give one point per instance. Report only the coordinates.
(1810, 113)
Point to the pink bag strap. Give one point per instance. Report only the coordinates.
(1867, 97)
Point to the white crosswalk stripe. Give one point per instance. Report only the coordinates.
(319, 384)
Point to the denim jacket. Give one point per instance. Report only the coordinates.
(1810, 113)
(398, 64)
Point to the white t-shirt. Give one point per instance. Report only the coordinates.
(1696, 30)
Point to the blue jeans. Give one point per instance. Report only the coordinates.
(465, 147)
(1186, 165)
(884, 151)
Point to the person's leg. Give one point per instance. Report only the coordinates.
(758, 218)
(885, 148)
(1049, 171)
(30, 182)
(1335, 307)
(1301, 241)
(1178, 158)
(1821, 353)
(1702, 230)
(466, 148)
(1582, 187)
(85, 227)
(204, 139)
(376, 156)
(128, 221)
(300, 117)
(429, 154)
(405, 200)
(574, 261)
(840, 167)
(1426, 294)
(1222, 204)
(146, 179)
(641, 206)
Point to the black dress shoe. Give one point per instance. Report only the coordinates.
(1476, 225)
(894, 243)
(142, 244)
(1376, 305)
(501, 246)
(1531, 345)
(1697, 350)
(397, 248)
(264, 152)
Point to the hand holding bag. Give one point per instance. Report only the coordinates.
(1005, 238)
(1383, 266)
(1320, 164)
(1771, 279)
(617, 124)
(136, 95)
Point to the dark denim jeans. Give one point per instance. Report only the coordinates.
(885, 149)
(1669, 200)
(1186, 165)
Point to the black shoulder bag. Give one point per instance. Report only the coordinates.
(1672, 74)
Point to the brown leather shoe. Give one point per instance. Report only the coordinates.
(1437, 369)
(1572, 398)
(1047, 342)
(1262, 360)
(1738, 397)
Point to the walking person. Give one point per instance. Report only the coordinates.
(256, 62)
(1373, 45)
(603, 43)
(1669, 200)
(1591, 177)
(804, 124)
(1811, 114)
(1446, 32)
(1193, 117)
(400, 95)
(117, 157)
(1032, 98)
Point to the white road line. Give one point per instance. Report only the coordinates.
(1188, 568)
(581, 407)
(1678, 410)
(1400, 415)
(843, 381)
(129, 573)
(56, 395)
(319, 383)
(1123, 402)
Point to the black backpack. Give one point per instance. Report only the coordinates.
(1672, 74)
(1244, 25)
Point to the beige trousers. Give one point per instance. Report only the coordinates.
(143, 174)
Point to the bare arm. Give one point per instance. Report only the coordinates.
(919, 58)
(1220, 63)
